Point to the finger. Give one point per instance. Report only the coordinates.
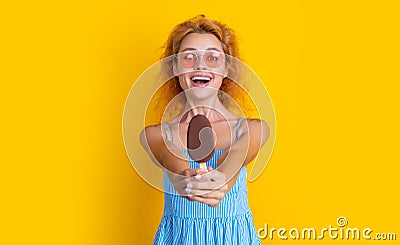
(196, 192)
(200, 188)
(182, 192)
(185, 177)
(209, 201)
(214, 176)
(208, 194)
(204, 185)
(180, 180)
(207, 185)
(200, 171)
(190, 172)
(186, 196)
(190, 180)
(218, 193)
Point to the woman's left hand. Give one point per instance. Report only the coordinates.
(209, 187)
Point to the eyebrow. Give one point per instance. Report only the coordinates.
(187, 49)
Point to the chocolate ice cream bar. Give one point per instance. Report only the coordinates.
(200, 140)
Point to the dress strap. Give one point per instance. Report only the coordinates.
(169, 131)
(237, 128)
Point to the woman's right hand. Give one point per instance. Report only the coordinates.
(181, 180)
(210, 187)
(206, 186)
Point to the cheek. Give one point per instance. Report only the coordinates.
(222, 70)
(218, 81)
(182, 82)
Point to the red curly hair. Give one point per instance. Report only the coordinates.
(201, 25)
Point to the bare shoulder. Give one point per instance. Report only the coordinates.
(151, 136)
(152, 130)
(257, 128)
(257, 123)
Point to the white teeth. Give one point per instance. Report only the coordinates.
(201, 78)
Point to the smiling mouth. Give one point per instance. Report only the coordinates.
(200, 81)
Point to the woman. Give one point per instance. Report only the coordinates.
(204, 206)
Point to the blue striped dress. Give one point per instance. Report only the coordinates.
(191, 222)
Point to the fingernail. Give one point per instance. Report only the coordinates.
(188, 190)
(190, 196)
(189, 185)
(197, 177)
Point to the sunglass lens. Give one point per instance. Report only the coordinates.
(188, 59)
(213, 59)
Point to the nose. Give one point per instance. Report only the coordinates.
(201, 64)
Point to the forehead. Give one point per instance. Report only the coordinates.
(200, 42)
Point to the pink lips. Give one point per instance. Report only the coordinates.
(200, 85)
(201, 80)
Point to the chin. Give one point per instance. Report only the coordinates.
(202, 94)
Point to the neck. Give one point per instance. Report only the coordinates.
(211, 108)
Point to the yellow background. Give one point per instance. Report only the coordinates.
(331, 68)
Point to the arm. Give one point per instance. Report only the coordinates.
(254, 134)
(216, 184)
(162, 152)
(166, 155)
